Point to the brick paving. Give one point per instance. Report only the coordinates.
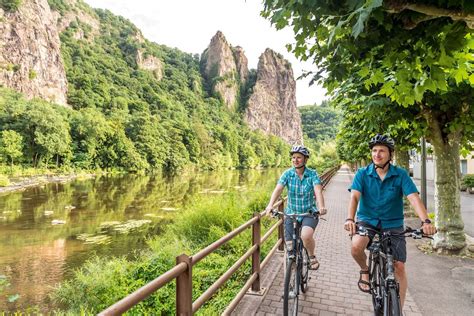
(333, 287)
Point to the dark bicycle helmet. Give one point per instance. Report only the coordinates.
(382, 140)
(299, 149)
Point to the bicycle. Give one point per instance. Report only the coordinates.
(298, 265)
(383, 286)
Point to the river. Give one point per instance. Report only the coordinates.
(48, 231)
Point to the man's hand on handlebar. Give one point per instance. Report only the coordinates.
(428, 229)
(350, 226)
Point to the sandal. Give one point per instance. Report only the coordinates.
(361, 282)
(314, 263)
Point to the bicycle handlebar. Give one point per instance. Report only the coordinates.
(276, 213)
(408, 232)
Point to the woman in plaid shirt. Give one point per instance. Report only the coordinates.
(304, 190)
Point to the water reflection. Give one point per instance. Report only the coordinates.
(47, 231)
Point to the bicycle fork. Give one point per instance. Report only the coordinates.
(294, 256)
(390, 283)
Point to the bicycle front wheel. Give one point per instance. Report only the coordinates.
(376, 285)
(393, 302)
(305, 264)
(290, 292)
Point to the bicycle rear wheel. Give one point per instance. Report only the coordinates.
(376, 286)
(290, 292)
(393, 303)
(305, 264)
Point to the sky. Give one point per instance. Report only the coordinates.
(189, 26)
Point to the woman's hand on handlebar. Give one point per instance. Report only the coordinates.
(323, 211)
(268, 211)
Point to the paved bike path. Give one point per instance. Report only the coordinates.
(333, 288)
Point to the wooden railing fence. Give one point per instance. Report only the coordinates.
(182, 271)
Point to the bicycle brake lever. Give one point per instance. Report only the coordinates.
(416, 236)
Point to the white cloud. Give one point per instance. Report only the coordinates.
(189, 26)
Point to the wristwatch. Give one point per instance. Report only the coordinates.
(426, 221)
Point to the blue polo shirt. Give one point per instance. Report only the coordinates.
(382, 201)
(301, 197)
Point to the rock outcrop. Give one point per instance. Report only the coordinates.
(150, 63)
(241, 63)
(30, 57)
(75, 13)
(272, 105)
(220, 70)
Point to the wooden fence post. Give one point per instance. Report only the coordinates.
(281, 233)
(256, 255)
(184, 288)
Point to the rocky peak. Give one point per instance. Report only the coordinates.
(30, 58)
(220, 70)
(272, 105)
(241, 62)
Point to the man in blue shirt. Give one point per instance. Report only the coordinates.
(304, 188)
(377, 194)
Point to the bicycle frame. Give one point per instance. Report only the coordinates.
(384, 287)
(380, 285)
(297, 270)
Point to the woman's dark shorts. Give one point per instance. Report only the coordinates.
(399, 244)
(306, 221)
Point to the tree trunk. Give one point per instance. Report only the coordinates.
(402, 159)
(450, 236)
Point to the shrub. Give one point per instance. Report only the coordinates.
(32, 74)
(468, 181)
(10, 5)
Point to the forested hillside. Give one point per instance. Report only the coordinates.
(320, 122)
(126, 117)
(320, 126)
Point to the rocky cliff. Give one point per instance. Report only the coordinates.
(272, 104)
(30, 59)
(219, 69)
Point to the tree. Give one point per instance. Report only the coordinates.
(11, 145)
(419, 54)
(365, 116)
(47, 133)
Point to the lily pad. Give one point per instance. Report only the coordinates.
(131, 225)
(95, 239)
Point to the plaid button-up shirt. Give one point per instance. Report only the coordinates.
(301, 198)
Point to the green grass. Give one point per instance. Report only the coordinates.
(4, 181)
